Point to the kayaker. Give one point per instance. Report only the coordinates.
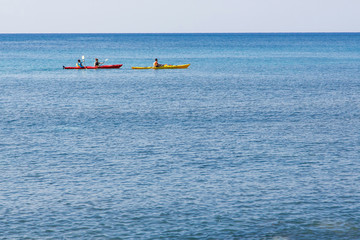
(97, 63)
(79, 64)
(156, 64)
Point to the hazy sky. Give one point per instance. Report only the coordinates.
(134, 16)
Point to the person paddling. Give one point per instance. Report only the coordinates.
(156, 64)
(97, 63)
(79, 64)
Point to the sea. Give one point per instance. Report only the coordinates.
(258, 139)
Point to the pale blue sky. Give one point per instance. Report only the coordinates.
(136, 16)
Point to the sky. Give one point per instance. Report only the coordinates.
(182, 16)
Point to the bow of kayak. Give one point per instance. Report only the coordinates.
(165, 67)
(91, 67)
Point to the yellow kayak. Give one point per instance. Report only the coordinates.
(164, 67)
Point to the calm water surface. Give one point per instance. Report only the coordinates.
(258, 139)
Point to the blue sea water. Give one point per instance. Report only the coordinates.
(258, 139)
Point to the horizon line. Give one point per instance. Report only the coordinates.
(268, 32)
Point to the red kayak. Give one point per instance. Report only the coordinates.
(91, 67)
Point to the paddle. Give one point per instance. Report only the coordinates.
(103, 62)
(83, 58)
